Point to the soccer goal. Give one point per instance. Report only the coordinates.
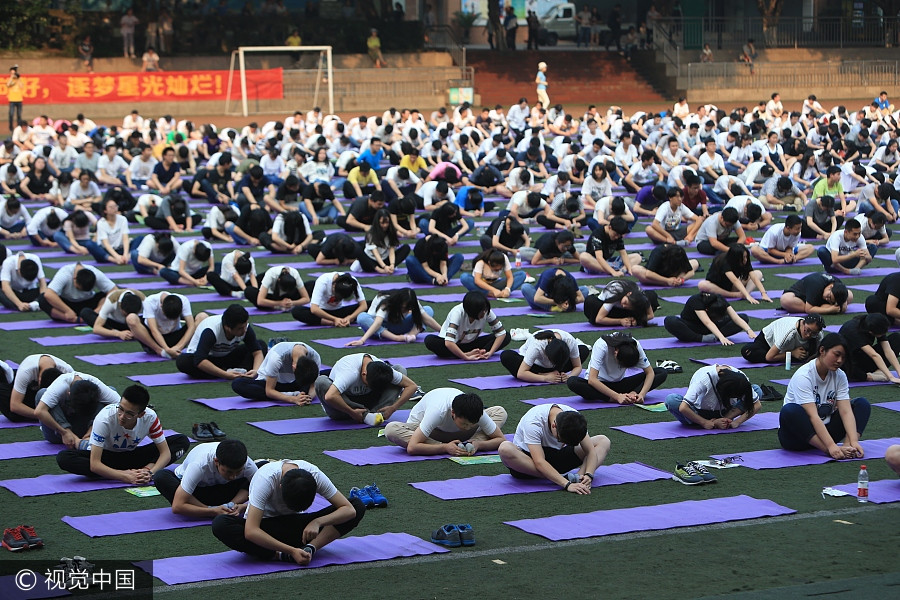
(324, 72)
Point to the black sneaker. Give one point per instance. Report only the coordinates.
(30, 536)
(202, 432)
(13, 540)
(216, 432)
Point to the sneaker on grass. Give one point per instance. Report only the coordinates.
(687, 474)
(375, 494)
(466, 534)
(448, 535)
(703, 472)
(363, 496)
(13, 540)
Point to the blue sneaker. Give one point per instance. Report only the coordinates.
(363, 496)
(466, 534)
(448, 535)
(375, 494)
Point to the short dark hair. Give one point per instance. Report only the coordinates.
(839, 291)
(557, 352)
(85, 279)
(852, 225)
(130, 303)
(201, 252)
(571, 427)
(468, 406)
(172, 306)
(306, 372)
(298, 489)
(754, 212)
(242, 264)
(475, 303)
(379, 375)
(137, 395)
(730, 215)
(619, 225)
(231, 453)
(28, 269)
(235, 315)
(792, 221)
(827, 201)
(83, 394)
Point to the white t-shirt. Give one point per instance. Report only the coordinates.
(457, 327)
(199, 468)
(712, 228)
(185, 256)
(38, 221)
(114, 233)
(265, 487)
(9, 271)
(153, 310)
(63, 158)
(520, 201)
(533, 349)
(671, 218)
(715, 161)
(806, 386)
(323, 293)
(346, 378)
(7, 220)
(433, 411)
(59, 389)
(783, 334)
(534, 428)
(112, 308)
(63, 283)
(141, 169)
(114, 167)
(228, 271)
(76, 192)
(147, 249)
(109, 435)
(837, 242)
(603, 359)
(222, 346)
(28, 370)
(739, 203)
(701, 393)
(775, 238)
(279, 364)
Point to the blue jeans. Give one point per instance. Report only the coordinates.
(824, 255)
(865, 206)
(529, 290)
(673, 402)
(15, 228)
(138, 267)
(795, 429)
(418, 274)
(468, 281)
(328, 210)
(95, 249)
(365, 320)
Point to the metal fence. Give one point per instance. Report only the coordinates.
(798, 75)
(790, 32)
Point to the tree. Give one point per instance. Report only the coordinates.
(21, 22)
(770, 10)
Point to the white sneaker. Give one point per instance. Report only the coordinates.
(237, 294)
(165, 354)
(519, 334)
(855, 271)
(530, 279)
(34, 306)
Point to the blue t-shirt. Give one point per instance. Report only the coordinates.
(543, 282)
(542, 81)
(372, 159)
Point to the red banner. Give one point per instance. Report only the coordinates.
(68, 88)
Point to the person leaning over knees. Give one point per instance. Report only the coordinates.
(549, 356)
(223, 346)
(799, 336)
(448, 421)
(213, 480)
(818, 412)
(288, 373)
(550, 441)
(115, 452)
(460, 335)
(35, 372)
(817, 293)
(68, 406)
(611, 357)
(718, 397)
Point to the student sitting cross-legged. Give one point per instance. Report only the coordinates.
(550, 355)
(611, 357)
(288, 373)
(718, 397)
(68, 406)
(115, 452)
(460, 335)
(550, 441)
(448, 421)
(397, 316)
(276, 526)
(223, 346)
(213, 480)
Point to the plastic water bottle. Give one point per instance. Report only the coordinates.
(518, 259)
(862, 485)
(787, 361)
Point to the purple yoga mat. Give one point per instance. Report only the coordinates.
(649, 518)
(37, 324)
(68, 340)
(495, 382)
(239, 403)
(318, 424)
(430, 360)
(866, 272)
(653, 397)
(142, 521)
(682, 299)
(690, 283)
(865, 287)
(669, 430)
(158, 284)
(441, 298)
(344, 551)
(130, 275)
(57, 484)
(779, 458)
(387, 455)
(9, 588)
(340, 342)
(882, 491)
(120, 358)
(363, 275)
(398, 285)
(251, 310)
(852, 384)
(737, 362)
(210, 297)
(484, 486)
(29, 449)
(581, 326)
(895, 405)
(170, 379)
(7, 424)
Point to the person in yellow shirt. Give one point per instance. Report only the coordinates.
(373, 42)
(14, 95)
(294, 40)
(415, 163)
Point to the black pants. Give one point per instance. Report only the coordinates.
(6, 394)
(255, 389)
(287, 529)
(687, 331)
(756, 351)
(436, 344)
(550, 224)
(90, 317)
(706, 248)
(161, 224)
(305, 315)
(593, 304)
(76, 306)
(634, 383)
(251, 294)
(858, 364)
(807, 232)
(211, 495)
(369, 265)
(79, 461)
(874, 304)
(23, 296)
(350, 192)
(512, 360)
(241, 357)
(223, 288)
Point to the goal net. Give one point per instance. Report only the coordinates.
(309, 60)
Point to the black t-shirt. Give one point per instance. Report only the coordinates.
(403, 219)
(166, 175)
(810, 288)
(498, 228)
(546, 244)
(601, 242)
(664, 268)
(286, 195)
(421, 252)
(362, 211)
(220, 182)
(444, 218)
(715, 305)
(889, 286)
(717, 273)
(856, 337)
(329, 247)
(256, 190)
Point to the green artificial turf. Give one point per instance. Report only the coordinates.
(751, 557)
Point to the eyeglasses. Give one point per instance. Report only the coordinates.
(127, 413)
(724, 462)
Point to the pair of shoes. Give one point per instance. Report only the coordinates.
(370, 496)
(454, 536)
(74, 568)
(682, 243)
(670, 366)
(21, 538)
(34, 306)
(519, 334)
(207, 432)
(417, 395)
(693, 473)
